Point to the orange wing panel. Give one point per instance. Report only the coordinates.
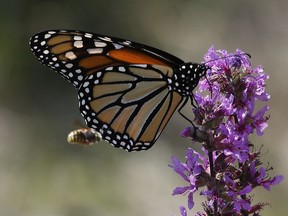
(94, 62)
(59, 39)
(134, 57)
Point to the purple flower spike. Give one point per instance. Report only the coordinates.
(192, 172)
(229, 167)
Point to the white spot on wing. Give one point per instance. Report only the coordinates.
(117, 46)
(47, 36)
(77, 38)
(139, 65)
(88, 35)
(122, 69)
(69, 65)
(85, 84)
(127, 43)
(78, 44)
(100, 44)
(95, 50)
(99, 74)
(70, 55)
(105, 39)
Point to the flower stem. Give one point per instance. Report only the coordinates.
(211, 164)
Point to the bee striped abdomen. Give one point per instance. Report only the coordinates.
(84, 136)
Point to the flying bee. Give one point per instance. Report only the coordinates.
(84, 136)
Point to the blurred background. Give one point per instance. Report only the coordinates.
(43, 175)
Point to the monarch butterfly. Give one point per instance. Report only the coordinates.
(84, 136)
(127, 91)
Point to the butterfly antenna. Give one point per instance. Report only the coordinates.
(225, 57)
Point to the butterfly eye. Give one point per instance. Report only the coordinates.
(127, 91)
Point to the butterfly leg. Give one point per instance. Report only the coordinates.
(180, 109)
(195, 133)
(185, 117)
(192, 98)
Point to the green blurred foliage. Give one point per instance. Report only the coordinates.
(42, 175)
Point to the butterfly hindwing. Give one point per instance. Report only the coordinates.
(128, 105)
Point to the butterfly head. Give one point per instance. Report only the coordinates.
(188, 77)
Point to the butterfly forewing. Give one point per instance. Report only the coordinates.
(75, 54)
